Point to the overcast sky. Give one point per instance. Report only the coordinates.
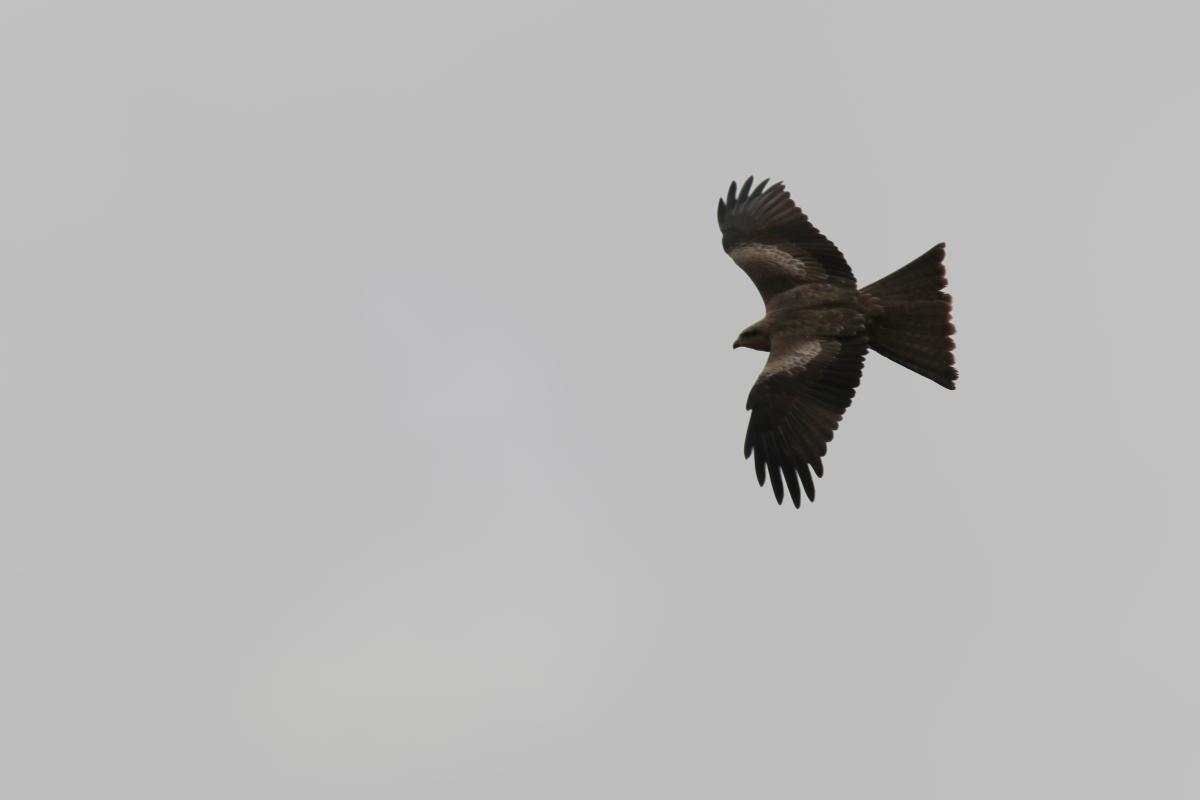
(371, 429)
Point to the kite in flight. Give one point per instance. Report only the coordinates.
(818, 327)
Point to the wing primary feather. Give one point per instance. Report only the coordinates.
(776, 482)
(800, 429)
(789, 474)
(760, 466)
(758, 189)
(746, 189)
(732, 198)
(807, 480)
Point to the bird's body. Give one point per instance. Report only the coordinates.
(818, 327)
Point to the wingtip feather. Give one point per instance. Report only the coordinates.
(745, 193)
(793, 485)
(776, 482)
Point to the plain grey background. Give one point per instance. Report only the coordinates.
(370, 425)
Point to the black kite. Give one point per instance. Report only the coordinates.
(818, 327)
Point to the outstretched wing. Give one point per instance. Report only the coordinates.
(774, 243)
(796, 405)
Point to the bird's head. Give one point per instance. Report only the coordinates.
(755, 337)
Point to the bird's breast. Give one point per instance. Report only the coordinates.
(814, 295)
(840, 320)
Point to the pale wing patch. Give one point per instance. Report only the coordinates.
(796, 358)
(762, 259)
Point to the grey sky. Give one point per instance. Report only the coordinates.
(371, 427)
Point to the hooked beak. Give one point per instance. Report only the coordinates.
(737, 344)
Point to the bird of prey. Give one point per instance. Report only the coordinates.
(818, 327)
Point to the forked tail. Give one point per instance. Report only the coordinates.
(914, 328)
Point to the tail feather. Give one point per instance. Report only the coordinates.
(912, 325)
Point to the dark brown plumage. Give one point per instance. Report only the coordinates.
(818, 327)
